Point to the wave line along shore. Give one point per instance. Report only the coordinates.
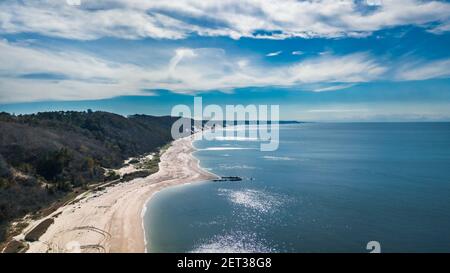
(111, 220)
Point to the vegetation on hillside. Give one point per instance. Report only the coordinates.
(45, 156)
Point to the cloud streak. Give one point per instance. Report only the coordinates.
(298, 52)
(333, 87)
(424, 70)
(273, 54)
(357, 67)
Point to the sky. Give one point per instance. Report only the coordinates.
(365, 60)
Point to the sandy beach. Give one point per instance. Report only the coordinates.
(111, 220)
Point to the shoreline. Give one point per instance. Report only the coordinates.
(146, 207)
(112, 220)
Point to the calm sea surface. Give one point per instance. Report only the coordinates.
(328, 188)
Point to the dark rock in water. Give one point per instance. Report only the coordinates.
(228, 178)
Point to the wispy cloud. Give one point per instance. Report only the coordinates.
(333, 87)
(74, 75)
(357, 67)
(163, 19)
(273, 54)
(179, 55)
(298, 52)
(28, 74)
(423, 70)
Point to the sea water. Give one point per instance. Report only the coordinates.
(328, 188)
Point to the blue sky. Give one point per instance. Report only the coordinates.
(372, 60)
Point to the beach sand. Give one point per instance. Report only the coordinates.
(111, 220)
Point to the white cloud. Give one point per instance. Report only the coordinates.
(333, 87)
(162, 19)
(242, 63)
(29, 73)
(358, 67)
(326, 52)
(179, 55)
(298, 52)
(79, 76)
(72, 75)
(374, 2)
(424, 70)
(273, 54)
(440, 28)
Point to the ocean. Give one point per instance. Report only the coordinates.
(330, 187)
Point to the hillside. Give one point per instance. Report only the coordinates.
(45, 156)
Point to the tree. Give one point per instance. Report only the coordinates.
(4, 169)
(89, 164)
(53, 163)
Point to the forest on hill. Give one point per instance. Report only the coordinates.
(45, 156)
